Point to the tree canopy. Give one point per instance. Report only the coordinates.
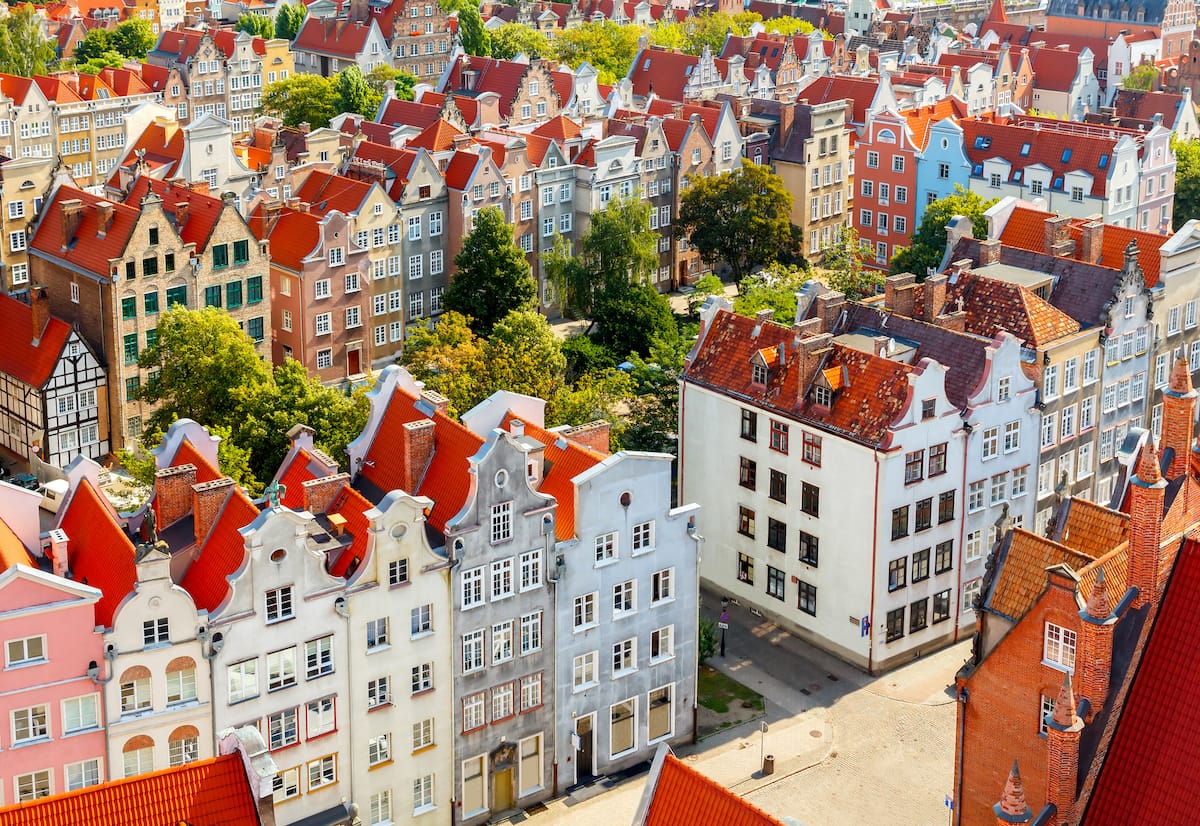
(353, 93)
(788, 26)
(256, 24)
(301, 98)
(1187, 180)
(24, 49)
(741, 218)
(289, 19)
(130, 40)
(405, 82)
(609, 47)
(928, 244)
(493, 277)
(1143, 76)
(513, 39)
(843, 264)
(472, 35)
(772, 288)
(708, 29)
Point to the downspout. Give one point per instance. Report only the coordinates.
(963, 697)
(874, 554)
(962, 526)
(699, 540)
(341, 606)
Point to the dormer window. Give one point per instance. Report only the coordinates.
(822, 396)
(758, 373)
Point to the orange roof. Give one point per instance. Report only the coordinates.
(461, 169)
(204, 792)
(21, 356)
(89, 248)
(993, 305)
(559, 128)
(409, 113)
(222, 553)
(100, 554)
(203, 210)
(1021, 576)
(437, 137)
(326, 191)
(683, 795)
(298, 471)
(1093, 529)
(12, 552)
(923, 117)
(293, 236)
(353, 506)
(186, 454)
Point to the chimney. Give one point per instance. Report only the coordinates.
(1012, 808)
(935, 296)
(305, 128)
(1056, 236)
(319, 494)
(104, 217)
(59, 553)
(440, 403)
(1091, 241)
(173, 493)
(787, 116)
(1062, 751)
(207, 499)
(72, 215)
(1094, 661)
(39, 311)
(989, 252)
(1179, 411)
(200, 186)
(810, 351)
(828, 306)
(516, 427)
(1146, 493)
(593, 434)
(181, 214)
(898, 291)
(301, 437)
(416, 449)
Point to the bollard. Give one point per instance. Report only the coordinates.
(768, 765)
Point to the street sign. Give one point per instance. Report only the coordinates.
(724, 626)
(724, 616)
(949, 802)
(866, 625)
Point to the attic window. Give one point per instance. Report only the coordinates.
(1016, 176)
(1025, 147)
(822, 396)
(1103, 164)
(983, 142)
(978, 170)
(1058, 183)
(758, 373)
(1066, 155)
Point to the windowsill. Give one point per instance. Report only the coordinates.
(618, 675)
(404, 584)
(310, 677)
(37, 741)
(282, 619)
(581, 688)
(664, 659)
(623, 615)
(378, 706)
(322, 735)
(423, 749)
(423, 691)
(604, 563)
(1057, 666)
(501, 597)
(278, 749)
(26, 664)
(643, 551)
(422, 635)
(424, 810)
(381, 764)
(376, 649)
(579, 629)
(279, 688)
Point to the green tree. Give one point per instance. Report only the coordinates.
(289, 19)
(584, 356)
(1187, 180)
(788, 26)
(108, 60)
(772, 288)
(522, 354)
(202, 359)
(133, 38)
(352, 93)
(741, 218)
(604, 394)
(404, 82)
(571, 281)
(95, 44)
(449, 358)
(929, 241)
(24, 48)
(471, 33)
(707, 639)
(301, 98)
(513, 39)
(1143, 76)
(256, 24)
(608, 46)
(631, 317)
(709, 29)
(705, 286)
(843, 263)
(493, 276)
(618, 248)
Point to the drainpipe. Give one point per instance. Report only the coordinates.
(962, 526)
(963, 697)
(699, 540)
(209, 652)
(874, 576)
(341, 607)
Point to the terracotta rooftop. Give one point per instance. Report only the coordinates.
(437, 137)
(214, 791)
(89, 248)
(408, 113)
(330, 36)
(23, 357)
(200, 214)
(324, 191)
(12, 552)
(1093, 530)
(683, 795)
(294, 236)
(221, 552)
(100, 554)
(1021, 571)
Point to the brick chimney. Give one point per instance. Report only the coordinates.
(810, 351)
(416, 450)
(1012, 808)
(935, 296)
(104, 218)
(182, 211)
(173, 493)
(1146, 492)
(207, 499)
(1091, 241)
(1094, 659)
(989, 252)
(39, 311)
(1062, 752)
(72, 215)
(1056, 236)
(320, 493)
(593, 434)
(439, 402)
(1179, 410)
(59, 553)
(829, 306)
(898, 293)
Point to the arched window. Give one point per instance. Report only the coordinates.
(183, 746)
(181, 680)
(138, 754)
(886, 136)
(135, 689)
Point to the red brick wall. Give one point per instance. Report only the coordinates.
(173, 493)
(417, 449)
(1145, 530)
(208, 497)
(320, 493)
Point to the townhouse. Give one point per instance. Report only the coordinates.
(24, 185)
(325, 46)
(526, 91)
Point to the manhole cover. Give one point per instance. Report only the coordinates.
(814, 733)
(805, 692)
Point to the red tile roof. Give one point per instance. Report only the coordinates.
(859, 90)
(124, 82)
(163, 141)
(15, 87)
(1055, 69)
(56, 89)
(353, 506)
(203, 210)
(294, 236)
(437, 137)
(500, 76)
(299, 470)
(324, 191)
(1143, 105)
(21, 357)
(214, 791)
(1151, 771)
(100, 553)
(461, 169)
(683, 795)
(666, 72)
(221, 553)
(186, 454)
(566, 460)
(446, 481)
(12, 552)
(330, 36)
(88, 249)
(921, 118)
(408, 113)
(559, 128)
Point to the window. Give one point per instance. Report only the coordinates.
(775, 582)
(26, 651)
(624, 598)
(776, 535)
(32, 723)
(943, 559)
(810, 499)
(999, 488)
(900, 522)
(84, 774)
(945, 506)
(812, 448)
(422, 734)
(1048, 428)
(502, 578)
(397, 572)
(585, 611)
(337, 256)
(243, 680)
(1020, 482)
(501, 522)
(749, 425)
(748, 473)
(991, 442)
(1059, 646)
(472, 651)
(622, 727)
(220, 256)
(531, 569)
(924, 515)
(531, 633)
(918, 615)
(1012, 437)
(624, 658)
(279, 604)
(377, 633)
(745, 521)
(422, 678)
(281, 669)
(1090, 364)
(745, 571)
(472, 587)
(920, 565)
(897, 573)
(584, 670)
(80, 713)
(33, 785)
(322, 772)
(937, 460)
(378, 692)
(895, 624)
(779, 436)
(421, 619)
(914, 466)
(502, 642)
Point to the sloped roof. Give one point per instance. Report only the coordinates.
(460, 169)
(500, 76)
(300, 470)
(565, 460)
(186, 454)
(162, 141)
(1021, 571)
(1144, 105)
(324, 191)
(409, 113)
(203, 792)
(437, 137)
(99, 552)
(683, 795)
(221, 553)
(328, 35)
(1093, 529)
(1151, 769)
(293, 236)
(203, 210)
(353, 507)
(666, 72)
(23, 358)
(12, 552)
(859, 90)
(124, 82)
(559, 128)
(89, 249)
(920, 118)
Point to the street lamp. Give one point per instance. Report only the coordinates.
(724, 622)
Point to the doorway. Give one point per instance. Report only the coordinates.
(502, 790)
(353, 362)
(585, 763)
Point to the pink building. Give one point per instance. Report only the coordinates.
(52, 739)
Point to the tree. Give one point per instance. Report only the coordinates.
(740, 218)
(928, 245)
(706, 640)
(24, 48)
(108, 60)
(130, 40)
(448, 357)
(352, 93)
(404, 82)
(618, 248)
(471, 33)
(1187, 180)
(256, 24)
(289, 19)
(843, 263)
(1143, 76)
(630, 317)
(773, 288)
(788, 26)
(94, 44)
(493, 276)
(513, 39)
(604, 394)
(609, 47)
(301, 98)
(522, 354)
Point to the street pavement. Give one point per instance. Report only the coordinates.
(849, 748)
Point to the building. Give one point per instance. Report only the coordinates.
(677, 793)
(24, 185)
(325, 46)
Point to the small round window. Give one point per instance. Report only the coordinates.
(945, 143)
(626, 499)
(398, 531)
(501, 478)
(278, 555)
